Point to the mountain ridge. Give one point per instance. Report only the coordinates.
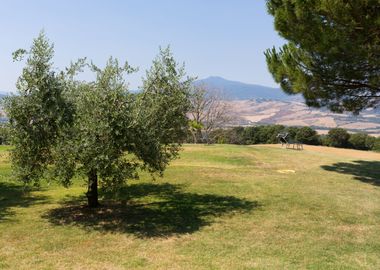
(257, 104)
(235, 90)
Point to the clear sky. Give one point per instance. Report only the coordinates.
(213, 37)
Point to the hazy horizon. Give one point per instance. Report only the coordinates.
(213, 38)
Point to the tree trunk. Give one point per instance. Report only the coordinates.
(199, 136)
(194, 136)
(92, 192)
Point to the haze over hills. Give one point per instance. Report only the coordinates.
(241, 91)
(3, 93)
(256, 104)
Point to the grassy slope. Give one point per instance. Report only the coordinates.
(218, 207)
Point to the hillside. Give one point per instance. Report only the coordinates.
(248, 112)
(241, 91)
(255, 104)
(217, 207)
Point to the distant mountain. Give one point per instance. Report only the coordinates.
(242, 91)
(3, 94)
(253, 104)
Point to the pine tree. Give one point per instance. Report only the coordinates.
(333, 52)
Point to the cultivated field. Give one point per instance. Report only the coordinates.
(218, 207)
(293, 113)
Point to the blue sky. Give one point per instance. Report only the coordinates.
(213, 37)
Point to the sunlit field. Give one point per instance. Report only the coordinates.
(217, 207)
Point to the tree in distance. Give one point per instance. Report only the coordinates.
(208, 111)
(333, 52)
(338, 137)
(361, 141)
(62, 127)
(307, 135)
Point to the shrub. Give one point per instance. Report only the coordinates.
(236, 135)
(370, 142)
(292, 131)
(4, 134)
(376, 145)
(324, 140)
(269, 133)
(249, 135)
(359, 141)
(307, 135)
(338, 137)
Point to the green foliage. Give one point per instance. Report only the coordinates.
(38, 112)
(338, 137)
(307, 135)
(292, 131)
(376, 145)
(195, 125)
(161, 112)
(4, 134)
(218, 206)
(103, 128)
(333, 53)
(96, 128)
(236, 135)
(370, 142)
(361, 141)
(324, 140)
(248, 135)
(195, 131)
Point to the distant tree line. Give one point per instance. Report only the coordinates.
(266, 134)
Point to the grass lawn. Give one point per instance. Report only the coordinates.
(218, 207)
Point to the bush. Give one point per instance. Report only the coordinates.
(219, 136)
(275, 130)
(370, 142)
(307, 135)
(376, 145)
(338, 137)
(268, 134)
(249, 135)
(4, 134)
(235, 135)
(359, 141)
(292, 131)
(324, 140)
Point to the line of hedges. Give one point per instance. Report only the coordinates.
(266, 134)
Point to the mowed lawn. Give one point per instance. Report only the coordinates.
(217, 207)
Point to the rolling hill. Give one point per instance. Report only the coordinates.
(292, 113)
(256, 104)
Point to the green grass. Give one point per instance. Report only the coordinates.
(218, 207)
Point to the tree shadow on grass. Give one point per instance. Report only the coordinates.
(362, 170)
(150, 210)
(12, 195)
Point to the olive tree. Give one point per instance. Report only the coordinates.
(38, 112)
(98, 129)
